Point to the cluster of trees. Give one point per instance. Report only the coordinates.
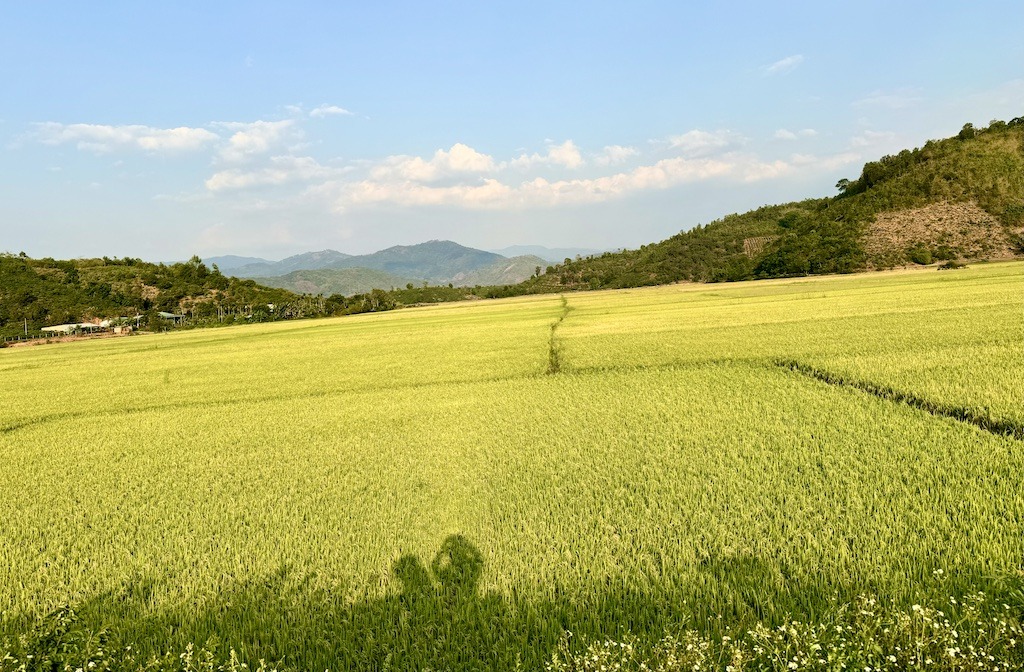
(39, 292)
(937, 170)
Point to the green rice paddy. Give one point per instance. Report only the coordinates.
(423, 488)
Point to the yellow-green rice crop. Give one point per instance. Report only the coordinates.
(415, 489)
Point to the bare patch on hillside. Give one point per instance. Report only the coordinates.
(948, 230)
(148, 291)
(755, 246)
(306, 287)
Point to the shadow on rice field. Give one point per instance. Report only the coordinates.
(439, 619)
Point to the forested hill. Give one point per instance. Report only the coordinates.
(958, 198)
(40, 292)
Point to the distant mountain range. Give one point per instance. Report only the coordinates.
(252, 267)
(502, 271)
(328, 281)
(554, 255)
(349, 281)
(230, 262)
(437, 262)
(400, 259)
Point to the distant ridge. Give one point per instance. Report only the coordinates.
(360, 279)
(229, 262)
(328, 281)
(436, 261)
(299, 262)
(549, 254)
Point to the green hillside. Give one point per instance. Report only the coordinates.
(437, 261)
(360, 280)
(501, 272)
(38, 292)
(327, 281)
(982, 168)
(299, 262)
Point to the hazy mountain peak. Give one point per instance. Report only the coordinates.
(549, 254)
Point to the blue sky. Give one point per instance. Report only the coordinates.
(162, 130)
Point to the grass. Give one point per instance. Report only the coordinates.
(412, 490)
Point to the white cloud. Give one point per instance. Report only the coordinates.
(831, 162)
(872, 138)
(329, 111)
(282, 170)
(229, 238)
(566, 155)
(697, 143)
(1004, 102)
(1009, 94)
(894, 100)
(784, 65)
(490, 193)
(459, 159)
(184, 197)
(838, 160)
(786, 134)
(463, 178)
(253, 138)
(615, 154)
(104, 138)
(486, 192)
(661, 175)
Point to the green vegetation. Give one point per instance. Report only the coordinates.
(359, 280)
(35, 293)
(419, 488)
(859, 636)
(326, 282)
(308, 261)
(827, 235)
(438, 261)
(38, 292)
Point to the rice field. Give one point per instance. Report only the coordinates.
(456, 487)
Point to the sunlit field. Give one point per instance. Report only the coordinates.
(460, 486)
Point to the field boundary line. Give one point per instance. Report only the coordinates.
(1005, 428)
(676, 365)
(26, 423)
(554, 343)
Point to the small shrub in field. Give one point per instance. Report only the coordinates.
(919, 254)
